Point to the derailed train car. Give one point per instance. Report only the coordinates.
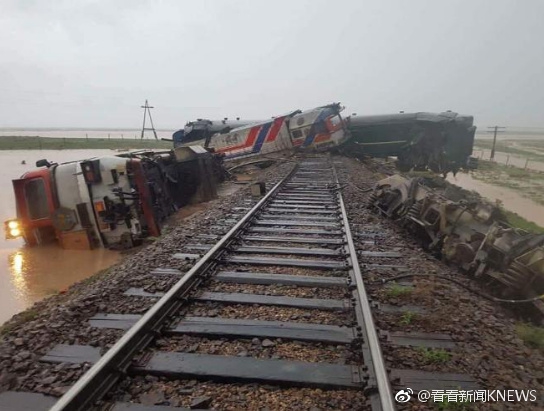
(109, 201)
(316, 129)
(441, 142)
(469, 233)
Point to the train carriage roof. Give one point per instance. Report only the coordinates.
(444, 117)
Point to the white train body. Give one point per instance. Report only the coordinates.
(315, 129)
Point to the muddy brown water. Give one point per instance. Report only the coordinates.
(510, 199)
(28, 274)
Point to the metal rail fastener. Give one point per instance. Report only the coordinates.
(372, 340)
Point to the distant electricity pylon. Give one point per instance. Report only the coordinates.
(495, 130)
(147, 110)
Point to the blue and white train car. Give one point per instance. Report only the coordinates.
(315, 129)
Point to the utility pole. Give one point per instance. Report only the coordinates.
(494, 130)
(147, 110)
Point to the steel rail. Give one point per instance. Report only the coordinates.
(99, 379)
(372, 339)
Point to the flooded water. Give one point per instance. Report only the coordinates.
(510, 159)
(28, 274)
(83, 133)
(511, 199)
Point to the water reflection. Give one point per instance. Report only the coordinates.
(15, 262)
(36, 272)
(28, 274)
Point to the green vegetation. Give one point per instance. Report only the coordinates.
(497, 169)
(434, 355)
(518, 221)
(17, 320)
(521, 148)
(397, 290)
(46, 143)
(407, 318)
(528, 183)
(531, 335)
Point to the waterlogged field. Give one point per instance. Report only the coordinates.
(61, 143)
(521, 211)
(28, 274)
(532, 149)
(515, 179)
(90, 133)
(529, 183)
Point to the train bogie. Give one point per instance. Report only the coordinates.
(470, 234)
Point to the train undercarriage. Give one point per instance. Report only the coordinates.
(467, 232)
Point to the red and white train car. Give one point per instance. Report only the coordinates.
(315, 129)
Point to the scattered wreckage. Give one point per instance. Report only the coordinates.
(441, 142)
(470, 233)
(115, 201)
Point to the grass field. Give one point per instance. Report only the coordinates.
(529, 149)
(41, 143)
(529, 183)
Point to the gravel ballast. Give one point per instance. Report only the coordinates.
(486, 344)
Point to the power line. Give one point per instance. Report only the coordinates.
(495, 130)
(147, 110)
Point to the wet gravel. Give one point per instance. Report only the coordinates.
(283, 270)
(278, 290)
(289, 244)
(253, 397)
(263, 348)
(487, 346)
(63, 318)
(269, 313)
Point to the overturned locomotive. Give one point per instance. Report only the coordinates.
(109, 201)
(467, 232)
(441, 142)
(315, 129)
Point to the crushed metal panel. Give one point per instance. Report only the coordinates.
(189, 152)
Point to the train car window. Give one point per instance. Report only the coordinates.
(297, 134)
(36, 199)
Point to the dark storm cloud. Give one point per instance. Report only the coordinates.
(92, 63)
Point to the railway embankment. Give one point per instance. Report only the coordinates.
(63, 318)
(488, 339)
(481, 341)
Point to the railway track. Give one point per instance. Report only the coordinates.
(278, 301)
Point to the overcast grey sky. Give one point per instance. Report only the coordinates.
(93, 63)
